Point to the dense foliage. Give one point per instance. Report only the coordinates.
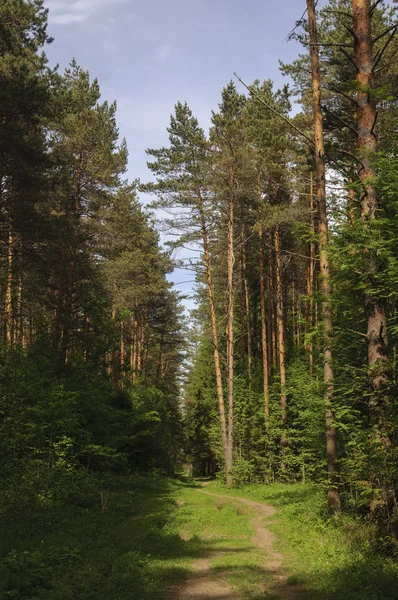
(297, 297)
(91, 332)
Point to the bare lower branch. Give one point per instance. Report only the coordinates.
(374, 6)
(385, 32)
(350, 154)
(380, 53)
(331, 45)
(330, 112)
(357, 332)
(346, 96)
(339, 12)
(275, 112)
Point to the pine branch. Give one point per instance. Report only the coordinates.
(339, 12)
(328, 45)
(282, 117)
(376, 39)
(347, 153)
(346, 96)
(348, 57)
(357, 332)
(380, 53)
(298, 23)
(330, 112)
(374, 6)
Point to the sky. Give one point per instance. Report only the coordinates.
(149, 54)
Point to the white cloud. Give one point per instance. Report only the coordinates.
(76, 11)
(163, 52)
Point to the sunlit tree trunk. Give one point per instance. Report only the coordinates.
(247, 316)
(9, 287)
(281, 340)
(264, 344)
(214, 332)
(331, 446)
(310, 280)
(367, 142)
(270, 308)
(230, 335)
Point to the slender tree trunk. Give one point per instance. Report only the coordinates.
(160, 358)
(310, 280)
(216, 350)
(30, 327)
(281, 341)
(248, 318)
(367, 115)
(19, 324)
(270, 309)
(230, 336)
(264, 344)
(295, 315)
(8, 296)
(242, 300)
(134, 353)
(122, 350)
(331, 446)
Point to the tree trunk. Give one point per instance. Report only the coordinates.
(242, 300)
(8, 297)
(270, 309)
(248, 318)
(310, 280)
(331, 447)
(367, 142)
(122, 350)
(281, 341)
(216, 351)
(264, 344)
(230, 336)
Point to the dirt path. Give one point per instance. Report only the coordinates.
(200, 584)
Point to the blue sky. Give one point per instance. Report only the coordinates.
(148, 54)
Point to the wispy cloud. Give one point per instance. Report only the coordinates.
(163, 52)
(76, 11)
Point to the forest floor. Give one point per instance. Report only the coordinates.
(170, 539)
(208, 580)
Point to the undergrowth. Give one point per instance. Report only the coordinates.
(330, 558)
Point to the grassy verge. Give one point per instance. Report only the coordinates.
(129, 551)
(153, 529)
(332, 559)
(223, 534)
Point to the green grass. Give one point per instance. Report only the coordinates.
(154, 529)
(331, 558)
(131, 551)
(224, 535)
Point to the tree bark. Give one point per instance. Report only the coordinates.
(248, 317)
(270, 310)
(230, 336)
(367, 142)
(281, 342)
(310, 280)
(8, 296)
(213, 319)
(264, 344)
(328, 374)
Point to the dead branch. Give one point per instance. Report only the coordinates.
(282, 117)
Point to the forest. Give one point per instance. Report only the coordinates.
(116, 406)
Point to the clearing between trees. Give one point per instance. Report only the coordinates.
(206, 581)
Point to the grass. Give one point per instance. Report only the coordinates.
(330, 558)
(224, 535)
(131, 551)
(154, 530)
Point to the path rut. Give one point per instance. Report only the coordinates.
(200, 584)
